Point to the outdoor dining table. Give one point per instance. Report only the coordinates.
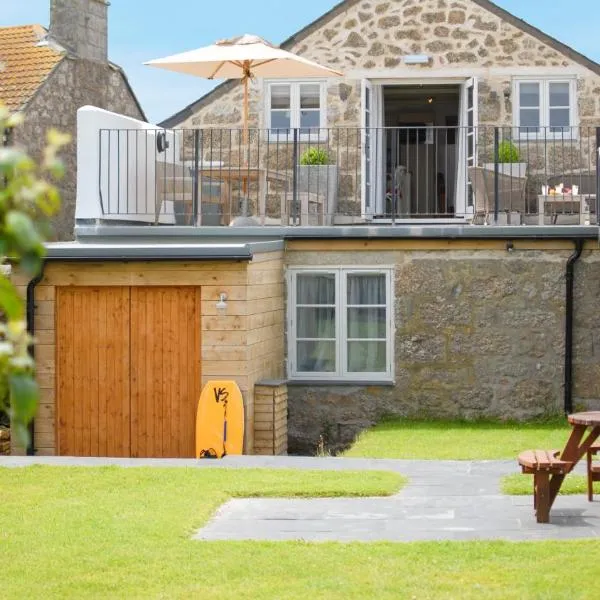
(586, 430)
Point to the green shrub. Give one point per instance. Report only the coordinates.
(314, 156)
(508, 152)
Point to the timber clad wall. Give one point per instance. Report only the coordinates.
(244, 344)
(270, 417)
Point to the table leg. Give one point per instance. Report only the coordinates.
(541, 211)
(542, 497)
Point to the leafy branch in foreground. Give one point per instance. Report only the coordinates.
(28, 199)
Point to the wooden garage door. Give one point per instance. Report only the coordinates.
(128, 370)
(165, 377)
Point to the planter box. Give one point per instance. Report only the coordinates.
(322, 181)
(511, 169)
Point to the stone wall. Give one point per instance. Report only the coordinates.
(479, 332)
(461, 37)
(73, 84)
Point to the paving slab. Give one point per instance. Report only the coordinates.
(444, 500)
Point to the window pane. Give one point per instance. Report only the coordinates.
(366, 357)
(310, 119)
(559, 117)
(367, 323)
(530, 118)
(280, 96)
(280, 119)
(367, 288)
(316, 356)
(310, 95)
(315, 288)
(315, 322)
(529, 94)
(559, 94)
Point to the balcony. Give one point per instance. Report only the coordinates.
(137, 174)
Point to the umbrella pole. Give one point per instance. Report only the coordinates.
(245, 133)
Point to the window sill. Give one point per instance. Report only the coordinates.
(341, 382)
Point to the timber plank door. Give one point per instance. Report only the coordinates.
(165, 370)
(92, 371)
(127, 370)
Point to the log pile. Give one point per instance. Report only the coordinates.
(4, 441)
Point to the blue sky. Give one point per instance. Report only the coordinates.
(160, 28)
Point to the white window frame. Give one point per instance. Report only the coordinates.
(295, 110)
(341, 338)
(544, 83)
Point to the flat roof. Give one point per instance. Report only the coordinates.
(163, 250)
(136, 235)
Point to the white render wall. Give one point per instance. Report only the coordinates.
(117, 159)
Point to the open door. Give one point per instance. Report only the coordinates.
(467, 153)
(372, 133)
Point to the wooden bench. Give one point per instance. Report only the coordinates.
(593, 470)
(541, 464)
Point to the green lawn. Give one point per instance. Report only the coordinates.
(124, 533)
(521, 485)
(457, 440)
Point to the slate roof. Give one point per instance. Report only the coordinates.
(24, 63)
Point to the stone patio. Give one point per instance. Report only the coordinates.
(443, 500)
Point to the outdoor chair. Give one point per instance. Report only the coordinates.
(511, 192)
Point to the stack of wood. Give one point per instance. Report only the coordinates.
(4, 441)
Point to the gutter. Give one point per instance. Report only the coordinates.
(570, 280)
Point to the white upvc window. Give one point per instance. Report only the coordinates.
(340, 324)
(296, 105)
(545, 107)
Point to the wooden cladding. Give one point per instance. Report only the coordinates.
(127, 370)
(92, 371)
(165, 373)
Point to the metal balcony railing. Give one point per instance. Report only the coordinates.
(345, 176)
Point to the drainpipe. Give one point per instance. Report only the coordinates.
(31, 330)
(570, 270)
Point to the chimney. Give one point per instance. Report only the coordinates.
(81, 27)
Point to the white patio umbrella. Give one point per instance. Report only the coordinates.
(244, 58)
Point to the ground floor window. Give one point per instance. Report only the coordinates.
(340, 323)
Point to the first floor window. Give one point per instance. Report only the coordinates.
(545, 106)
(296, 105)
(340, 323)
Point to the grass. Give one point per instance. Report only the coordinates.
(521, 485)
(124, 533)
(457, 440)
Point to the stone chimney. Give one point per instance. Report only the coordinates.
(81, 27)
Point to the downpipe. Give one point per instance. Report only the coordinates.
(570, 280)
(30, 309)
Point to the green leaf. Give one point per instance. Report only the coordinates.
(24, 394)
(10, 301)
(31, 264)
(21, 227)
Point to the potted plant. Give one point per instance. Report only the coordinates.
(509, 160)
(318, 178)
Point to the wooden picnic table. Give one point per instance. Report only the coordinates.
(577, 445)
(550, 467)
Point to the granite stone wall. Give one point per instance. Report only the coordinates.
(458, 36)
(478, 333)
(74, 83)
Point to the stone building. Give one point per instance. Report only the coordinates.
(49, 74)
(439, 66)
(356, 289)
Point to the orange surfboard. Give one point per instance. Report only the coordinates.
(220, 420)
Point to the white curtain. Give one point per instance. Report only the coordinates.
(366, 323)
(316, 322)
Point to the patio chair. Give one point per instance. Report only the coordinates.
(511, 191)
